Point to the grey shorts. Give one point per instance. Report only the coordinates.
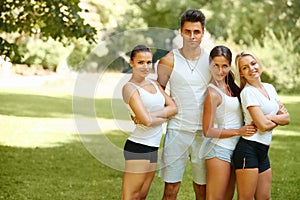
(179, 148)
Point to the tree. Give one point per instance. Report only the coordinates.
(246, 20)
(57, 19)
(162, 14)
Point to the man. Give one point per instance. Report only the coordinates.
(187, 71)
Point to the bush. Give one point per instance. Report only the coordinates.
(279, 57)
(280, 60)
(78, 54)
(46, 53)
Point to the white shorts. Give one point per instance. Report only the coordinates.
(179, 148)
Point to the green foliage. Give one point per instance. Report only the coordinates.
(271, 29)
(113, 54)
(280, 60)
(243, 21)
(80, 50)
(271, 26)
(46, 53)
(9, 49)
(163, 14)
(55, 19)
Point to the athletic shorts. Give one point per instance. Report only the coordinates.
(136, 151)
(180, 147)
(220, 153)
(251, 154)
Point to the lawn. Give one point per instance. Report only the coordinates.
(43, 157)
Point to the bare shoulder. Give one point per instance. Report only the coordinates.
(127, 91)
(213, 93)
(167, 60)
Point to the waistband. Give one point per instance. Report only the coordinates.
(255, 144)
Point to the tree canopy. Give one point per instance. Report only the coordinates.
(271, 27)
(57, 19)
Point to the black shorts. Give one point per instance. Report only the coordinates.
(251, 154)
(136, 151)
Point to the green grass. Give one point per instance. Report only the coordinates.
(64, 172)
(42, 157)
(36, 105)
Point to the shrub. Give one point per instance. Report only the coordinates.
(46, 53)
(280, 59)
(81, 49)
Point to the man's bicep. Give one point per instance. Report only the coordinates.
(162, 78)
(164, 70)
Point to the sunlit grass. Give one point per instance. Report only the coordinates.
(290, 98)
(35, 132)
(43, 157)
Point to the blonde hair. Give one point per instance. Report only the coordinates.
(241, 80)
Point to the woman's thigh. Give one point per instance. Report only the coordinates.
(263, 189)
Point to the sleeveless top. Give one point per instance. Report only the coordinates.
(149, 136)
(187, 88)
(228, 116)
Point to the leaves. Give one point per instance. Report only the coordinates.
(55, 19)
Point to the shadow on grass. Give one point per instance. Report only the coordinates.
(69, 171)
(29, 105)
(61, 172)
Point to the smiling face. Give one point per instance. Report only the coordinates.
(220, 67)
(141, 63)
(192, 33)
(249, 68)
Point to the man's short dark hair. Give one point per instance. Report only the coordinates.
(193, 15)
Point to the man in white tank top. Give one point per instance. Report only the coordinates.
(187, 71)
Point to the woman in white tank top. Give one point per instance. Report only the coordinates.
(221, 107)
(150, 106)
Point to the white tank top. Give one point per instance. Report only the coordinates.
(150, 136)
(188, 89)
(228, 116)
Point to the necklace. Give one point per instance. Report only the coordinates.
(224, 88)
(192, 67)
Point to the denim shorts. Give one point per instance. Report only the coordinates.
(136, 151)
(220, 153)
(251, 154)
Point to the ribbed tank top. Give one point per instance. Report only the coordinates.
(188, 89)
(228, 116)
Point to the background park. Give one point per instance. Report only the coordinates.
(62, 121)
